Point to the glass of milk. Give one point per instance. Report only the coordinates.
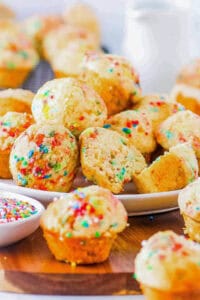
(157, 41)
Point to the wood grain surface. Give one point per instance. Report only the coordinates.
(29, 267)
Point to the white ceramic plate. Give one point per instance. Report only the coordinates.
(136, 204)
(17, 230)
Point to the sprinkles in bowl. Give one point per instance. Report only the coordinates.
(14, 210)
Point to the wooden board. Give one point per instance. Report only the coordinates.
(29, 267)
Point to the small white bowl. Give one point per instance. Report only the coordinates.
(16, 230)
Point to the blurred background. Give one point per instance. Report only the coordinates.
(158, 36)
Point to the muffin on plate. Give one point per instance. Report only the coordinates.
(17, 56)
(136, 127)
(61, 37)
(81, 226)
(157, 107)
(17, 100)
(171, 171)
(181, 127)
(187, 88)
(189, 204)
(113, 78)
(109, 159)
(83, 16)
(38, 26)
(70, 102)
(167, 267)
(12, 124)
(6, 12)
(68, 61)
(44, 157)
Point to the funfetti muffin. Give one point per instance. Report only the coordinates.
(68, 61)
(179, 128)
(6, 12)
(17, 57)
(167, 267)
(70, 102)
(114, 78)
(187, 88)
(83, 16)
(44, 157)
(171, 171)
(189, 204)
(38, 26)
(17, 100)
(136, 127)
(12, 124)
(60, 38)
(158, 108)
(80, 227)
(109, 159)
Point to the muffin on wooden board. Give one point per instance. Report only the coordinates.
(189, 204)
(167, 267)
(81, 226)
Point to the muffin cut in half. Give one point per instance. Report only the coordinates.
(12, 124)
(171, 171)
(108, 159)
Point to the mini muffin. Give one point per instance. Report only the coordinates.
(44, 157)
(109, 159)
(136, 127)
(83, 16)
(6, 12)
(167, 267)
(12, 125)
(70, 102)
(189, 204)
(60, 38)
(17, 100)
(158, 108)
(37, 26)
(187, 88)
(68, 61)
(113, 78)
(179, 128)
(81, 226)
(17, 57)
(171, 171)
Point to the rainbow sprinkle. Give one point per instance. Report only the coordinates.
(14, 210)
